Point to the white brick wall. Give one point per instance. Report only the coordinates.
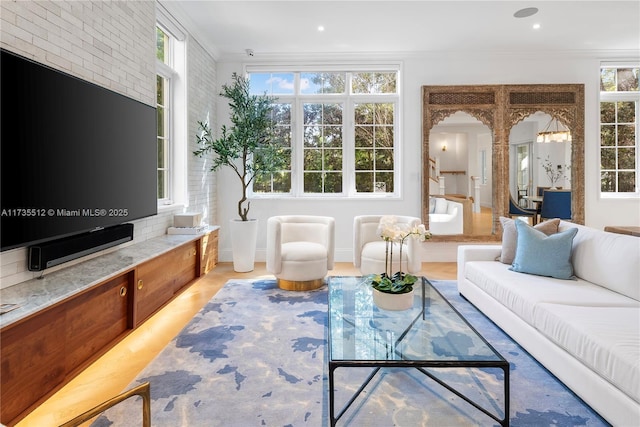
(201, 74)
(110, 43)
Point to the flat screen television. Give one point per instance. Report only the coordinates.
(75, 156)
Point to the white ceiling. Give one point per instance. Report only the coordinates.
(271, 28)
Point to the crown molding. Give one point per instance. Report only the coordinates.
(173, 9)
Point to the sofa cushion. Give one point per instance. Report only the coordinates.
(537, 253)
(305, 232)
(377, 251)
(440, 218)
(303, 251)
(441, 205)
(510, 234)
(607, 259)
(521, 293)
(606, 339)
(302, 261)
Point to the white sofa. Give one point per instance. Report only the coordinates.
(585, 331)
(445, 216)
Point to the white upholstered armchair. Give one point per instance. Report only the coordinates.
(300, 250)
(369, 248)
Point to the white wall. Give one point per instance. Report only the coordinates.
(438, 70)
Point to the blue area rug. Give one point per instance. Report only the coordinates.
(255, 356)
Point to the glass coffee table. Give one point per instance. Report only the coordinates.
(425, 337)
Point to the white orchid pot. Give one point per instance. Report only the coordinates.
(244, 238)
(395, 302)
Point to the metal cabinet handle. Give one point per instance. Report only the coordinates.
(140, 284)
(123, 291)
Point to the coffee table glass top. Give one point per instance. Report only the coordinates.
(360, 331)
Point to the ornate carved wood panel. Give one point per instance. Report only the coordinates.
(500, 107)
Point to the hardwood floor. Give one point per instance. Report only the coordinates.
(115, 370)
(482, 222)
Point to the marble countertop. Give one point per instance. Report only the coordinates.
(37, 294)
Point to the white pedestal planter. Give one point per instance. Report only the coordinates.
(244, 237)
(394, 302)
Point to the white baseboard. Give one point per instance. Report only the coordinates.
(431, 252)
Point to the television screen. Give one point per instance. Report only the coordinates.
(75, 156)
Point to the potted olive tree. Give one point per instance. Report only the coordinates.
(248, 147)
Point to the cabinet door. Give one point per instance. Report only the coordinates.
(159, 279)
(183, 265)
(95, 319)
(39, 353)
(32, 361)
(209, 252)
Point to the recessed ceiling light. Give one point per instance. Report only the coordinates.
(527, 11)
(321, 28)
(536, 26)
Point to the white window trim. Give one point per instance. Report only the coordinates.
(615, 97)
(167, 73)
(348, 166)
(397, 148)
(178, 126)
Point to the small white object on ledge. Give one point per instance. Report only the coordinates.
(187, 220)
(186, 230)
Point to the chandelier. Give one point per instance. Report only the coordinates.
(553, 133)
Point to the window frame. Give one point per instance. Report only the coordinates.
(177, 126)
(349, 100)
(168, 111)
(611, 96)
(299, 137)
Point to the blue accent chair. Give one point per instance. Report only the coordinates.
(516, 210)
(556, 204)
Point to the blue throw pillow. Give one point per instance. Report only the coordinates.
(537, 253)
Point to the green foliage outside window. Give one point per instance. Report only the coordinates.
(374, 147)
(162, 45)
(618, 132)
(322, 150)
(619, 79)
(322, 83)
(322, 144)
(374, 82)
(278, 181)
(162, 137)
(162, 90)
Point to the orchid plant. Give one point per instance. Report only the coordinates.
(391, 231)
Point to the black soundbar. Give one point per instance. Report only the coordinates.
(55, 252)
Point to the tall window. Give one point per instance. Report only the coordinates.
(374, 147)
(171, 104)
(323, 148)
(619, 101)
(340, 128)
(279, 182)
(163, 106)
